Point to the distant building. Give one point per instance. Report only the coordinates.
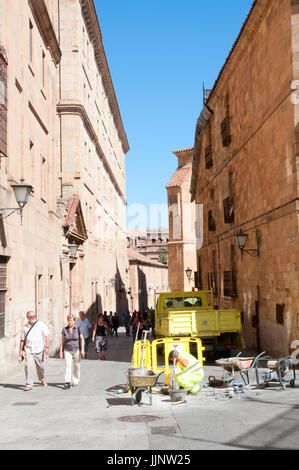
(146, 276)
(152, 243)
(181, 245)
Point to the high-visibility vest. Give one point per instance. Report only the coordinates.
(190, 375)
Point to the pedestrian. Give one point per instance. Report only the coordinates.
(115, 324)
(138, 323)
(132, 323)
(100, 334)
(34, 345)
(85, 326)
(192, 371)
(126, 322)
(72, 343)
(106, 318)
(110, 322)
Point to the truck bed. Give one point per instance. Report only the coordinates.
(201, 323)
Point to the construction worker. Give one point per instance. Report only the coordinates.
(192, 371)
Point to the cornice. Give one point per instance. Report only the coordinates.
(44, 23)
(92, 23)
(78, 109)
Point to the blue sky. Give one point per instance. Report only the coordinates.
(159, 53)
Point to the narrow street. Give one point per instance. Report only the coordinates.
(92, 416)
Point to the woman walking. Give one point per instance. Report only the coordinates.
(99, 333)
(72, 342)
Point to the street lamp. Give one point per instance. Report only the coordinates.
(241, 239)
(22, 192)
(73, 251)
(71, 258)
(188, 273)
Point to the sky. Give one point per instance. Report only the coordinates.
(159, 53)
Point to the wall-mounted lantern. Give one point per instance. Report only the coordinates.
(22, 192)
(241, 239)
(188, 273)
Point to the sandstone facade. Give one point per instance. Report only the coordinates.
(61, 130)
(181, 245)
(245, 173)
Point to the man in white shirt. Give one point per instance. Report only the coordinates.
(85, 325)
(35, 344)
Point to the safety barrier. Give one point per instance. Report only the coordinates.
(169, 344)
(151, 354)
(146, 362)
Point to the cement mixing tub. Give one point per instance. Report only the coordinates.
(141, 381)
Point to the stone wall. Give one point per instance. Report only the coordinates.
(254, 175)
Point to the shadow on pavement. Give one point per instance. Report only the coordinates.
(118, 401)
(13, 386)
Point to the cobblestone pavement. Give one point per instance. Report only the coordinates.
(92, 416)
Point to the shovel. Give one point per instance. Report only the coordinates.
(174, 384)
(143, 370)
(137, 332)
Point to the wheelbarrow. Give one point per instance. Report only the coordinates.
(234, 366)
(141, 383)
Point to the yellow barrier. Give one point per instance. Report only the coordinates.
(168, 344)
(150, 357)
(146, 362)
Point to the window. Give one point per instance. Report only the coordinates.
(3, 289)
(30, 41)
(198, 274)
(3, 103)
(228, 210)
(174, 302)
(44, 179)
(192, 302)
(208, 150)
(280, 314)
(229, 280)
(43, 69)
(230, 277)
(211, 221)
(225, 125)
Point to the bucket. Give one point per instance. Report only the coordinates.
(177, 395)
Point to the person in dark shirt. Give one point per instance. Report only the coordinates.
(99, 335)
(115, 324)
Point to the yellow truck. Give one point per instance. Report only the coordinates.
(192, 314)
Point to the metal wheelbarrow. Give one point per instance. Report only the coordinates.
(141, 383)
(234, 366)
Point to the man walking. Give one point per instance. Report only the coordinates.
(85, 325)
(35, 345)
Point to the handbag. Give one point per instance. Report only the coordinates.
(25, 339)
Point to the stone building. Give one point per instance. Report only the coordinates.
(245, 173)
(92, 149)
(146, 277)
(153, 243)
(181, 245)
(62, 132)
(29, 251)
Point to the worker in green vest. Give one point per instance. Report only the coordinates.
(192, 371)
